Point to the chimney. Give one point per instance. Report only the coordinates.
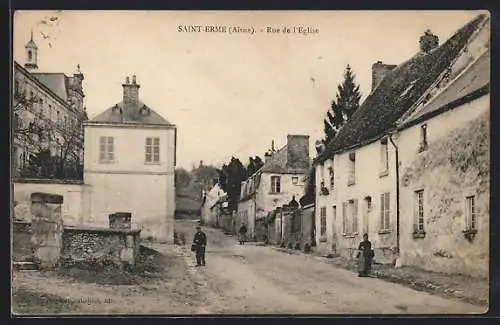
(379, 71)
(131, 96)
(298, 151)
(269, 154)
(428, 41)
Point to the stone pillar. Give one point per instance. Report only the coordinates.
(120, 220)
(47, 228)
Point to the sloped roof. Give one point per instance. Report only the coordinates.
(475, 77)
(398, 92)
(111, 115)
(277, 163)
(57, 82)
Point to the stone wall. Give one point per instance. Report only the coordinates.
(99, 247)
(22, 249)
(454, 166)
(75, 196)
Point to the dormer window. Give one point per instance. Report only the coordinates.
(352, 169)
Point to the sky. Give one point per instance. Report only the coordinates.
(228, 94)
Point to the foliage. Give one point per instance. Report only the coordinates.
(254, 164)
(182, 177)
(230, 178)
(342, 108)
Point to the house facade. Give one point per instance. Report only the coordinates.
(53, 102)
(277, 182)
(130, 157)
(444, 183)
(210, 211)
(357, 185)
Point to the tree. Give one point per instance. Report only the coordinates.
(182, 178)
(230, 178)
(343, 106)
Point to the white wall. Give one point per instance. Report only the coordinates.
(74, 196)
(267, 201)
(368, 182)
(129, 184)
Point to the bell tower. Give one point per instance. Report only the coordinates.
(31, 54)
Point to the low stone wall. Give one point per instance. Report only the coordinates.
(22, 248)
(99, 247)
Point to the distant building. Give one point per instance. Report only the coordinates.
(130, 157)
(53, 101)
(209, 209)
(280, 179)
(412, 219)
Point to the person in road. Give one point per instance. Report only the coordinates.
(199, 245)
(242, 234)
(365, 257)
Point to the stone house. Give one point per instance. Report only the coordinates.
(130, 157)
(53, 101)
(356, 182)
(444, 183)
(210, 211)
(279, 180)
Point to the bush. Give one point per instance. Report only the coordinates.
(289, 246)
(297, 246)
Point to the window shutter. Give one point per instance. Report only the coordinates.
(387, 210)
(355, 215)
(344, 217)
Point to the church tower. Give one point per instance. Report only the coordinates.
(31, 55)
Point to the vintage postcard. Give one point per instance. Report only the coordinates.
(250, 162)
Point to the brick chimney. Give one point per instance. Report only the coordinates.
(131, 96)
(298, 151)
(379, 71)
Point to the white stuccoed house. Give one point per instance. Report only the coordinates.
(129, 163)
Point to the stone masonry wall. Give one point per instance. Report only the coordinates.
(22, 249)
(448, 172)
(96, 248)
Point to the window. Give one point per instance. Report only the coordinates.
(50, 111)
(470, 213)
(106, 149)
(295, 180)
(152, 150)
(332, 177)
(334, 212)
(384, 158)
(30, 56)
(423, 137)
(352, 169)
(322, 217)
(275, 184)
(419, 211)
(384, 211)
(58, 117)
(350, 217)
(367, 210)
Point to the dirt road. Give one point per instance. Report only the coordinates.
(255, 279)
(246, 279)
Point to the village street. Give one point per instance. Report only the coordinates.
(238, 279)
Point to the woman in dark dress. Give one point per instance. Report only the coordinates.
(365, 257)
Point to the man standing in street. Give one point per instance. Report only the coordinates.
(199, 245)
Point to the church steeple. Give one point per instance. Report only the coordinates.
(31, 54)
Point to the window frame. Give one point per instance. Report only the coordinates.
(295, 180)
(322, 221)
(470, 213)
(351, 175)
(419, 211)
(152, 151)
(384, 158)
(385, 212)
(275, 184)
(106, 150)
